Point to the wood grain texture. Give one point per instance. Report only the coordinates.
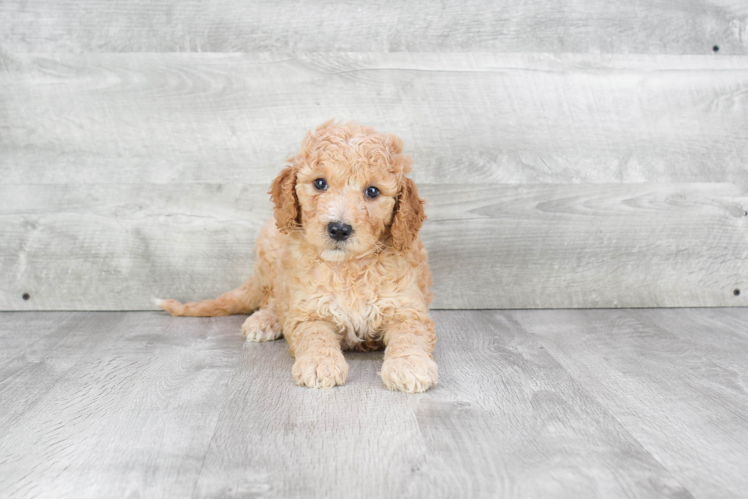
(100, 247)
(465, 118)
(508, 421)
(674, 395)
(588, 245)
(128, 407)
(161, 407)
(721, 334)
(276, 439)
(115, 247)
(638, 26)
(38, 350)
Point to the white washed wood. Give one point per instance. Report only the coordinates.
(465, 118)
(127, 407)
(143, 404)
(113, 247)
(103, 247)
(685, 409)
(509, 421)
(565, 246)
(721, 334)
(505, 421)
(637, 26)
(276, 439)
(38, 350)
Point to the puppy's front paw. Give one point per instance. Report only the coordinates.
(320, 371)
(414, 373)
(261, 326)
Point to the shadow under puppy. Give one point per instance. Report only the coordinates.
(342, 265)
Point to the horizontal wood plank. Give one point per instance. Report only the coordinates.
(608, 26)
(111, 247)
(589, 246)
(465, 118)
(66, 247)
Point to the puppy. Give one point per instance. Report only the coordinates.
(341, 266)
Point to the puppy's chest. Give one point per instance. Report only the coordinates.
(357, 306)
(358, 319)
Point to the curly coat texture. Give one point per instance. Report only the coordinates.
(369, 291)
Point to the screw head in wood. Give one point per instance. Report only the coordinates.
(25, 296)
(736, 292)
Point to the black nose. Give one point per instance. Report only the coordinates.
(339, 231)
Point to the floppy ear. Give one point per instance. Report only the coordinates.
(395, 143)
(409, 216)
(283, 194)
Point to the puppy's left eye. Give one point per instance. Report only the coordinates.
(371, 192)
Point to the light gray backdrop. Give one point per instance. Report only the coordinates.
(574, 154)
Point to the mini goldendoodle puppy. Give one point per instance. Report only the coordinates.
(342, 265)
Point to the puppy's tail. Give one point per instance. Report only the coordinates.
(243, 300)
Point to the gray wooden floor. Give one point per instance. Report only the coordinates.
(613, 403)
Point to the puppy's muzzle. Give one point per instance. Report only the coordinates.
(339, 231)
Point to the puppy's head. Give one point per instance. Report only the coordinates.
(347, 193)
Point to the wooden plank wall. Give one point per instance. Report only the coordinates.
(574, 154)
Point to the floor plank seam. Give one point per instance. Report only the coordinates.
(575, 403)
(583, 388)
(224, 405)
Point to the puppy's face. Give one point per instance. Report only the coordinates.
(346, 192)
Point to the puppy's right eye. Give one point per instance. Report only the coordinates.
(320, 184)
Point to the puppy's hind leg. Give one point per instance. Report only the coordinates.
(263, 325)
(243, 300)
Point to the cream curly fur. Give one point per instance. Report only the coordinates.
(367, 292)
